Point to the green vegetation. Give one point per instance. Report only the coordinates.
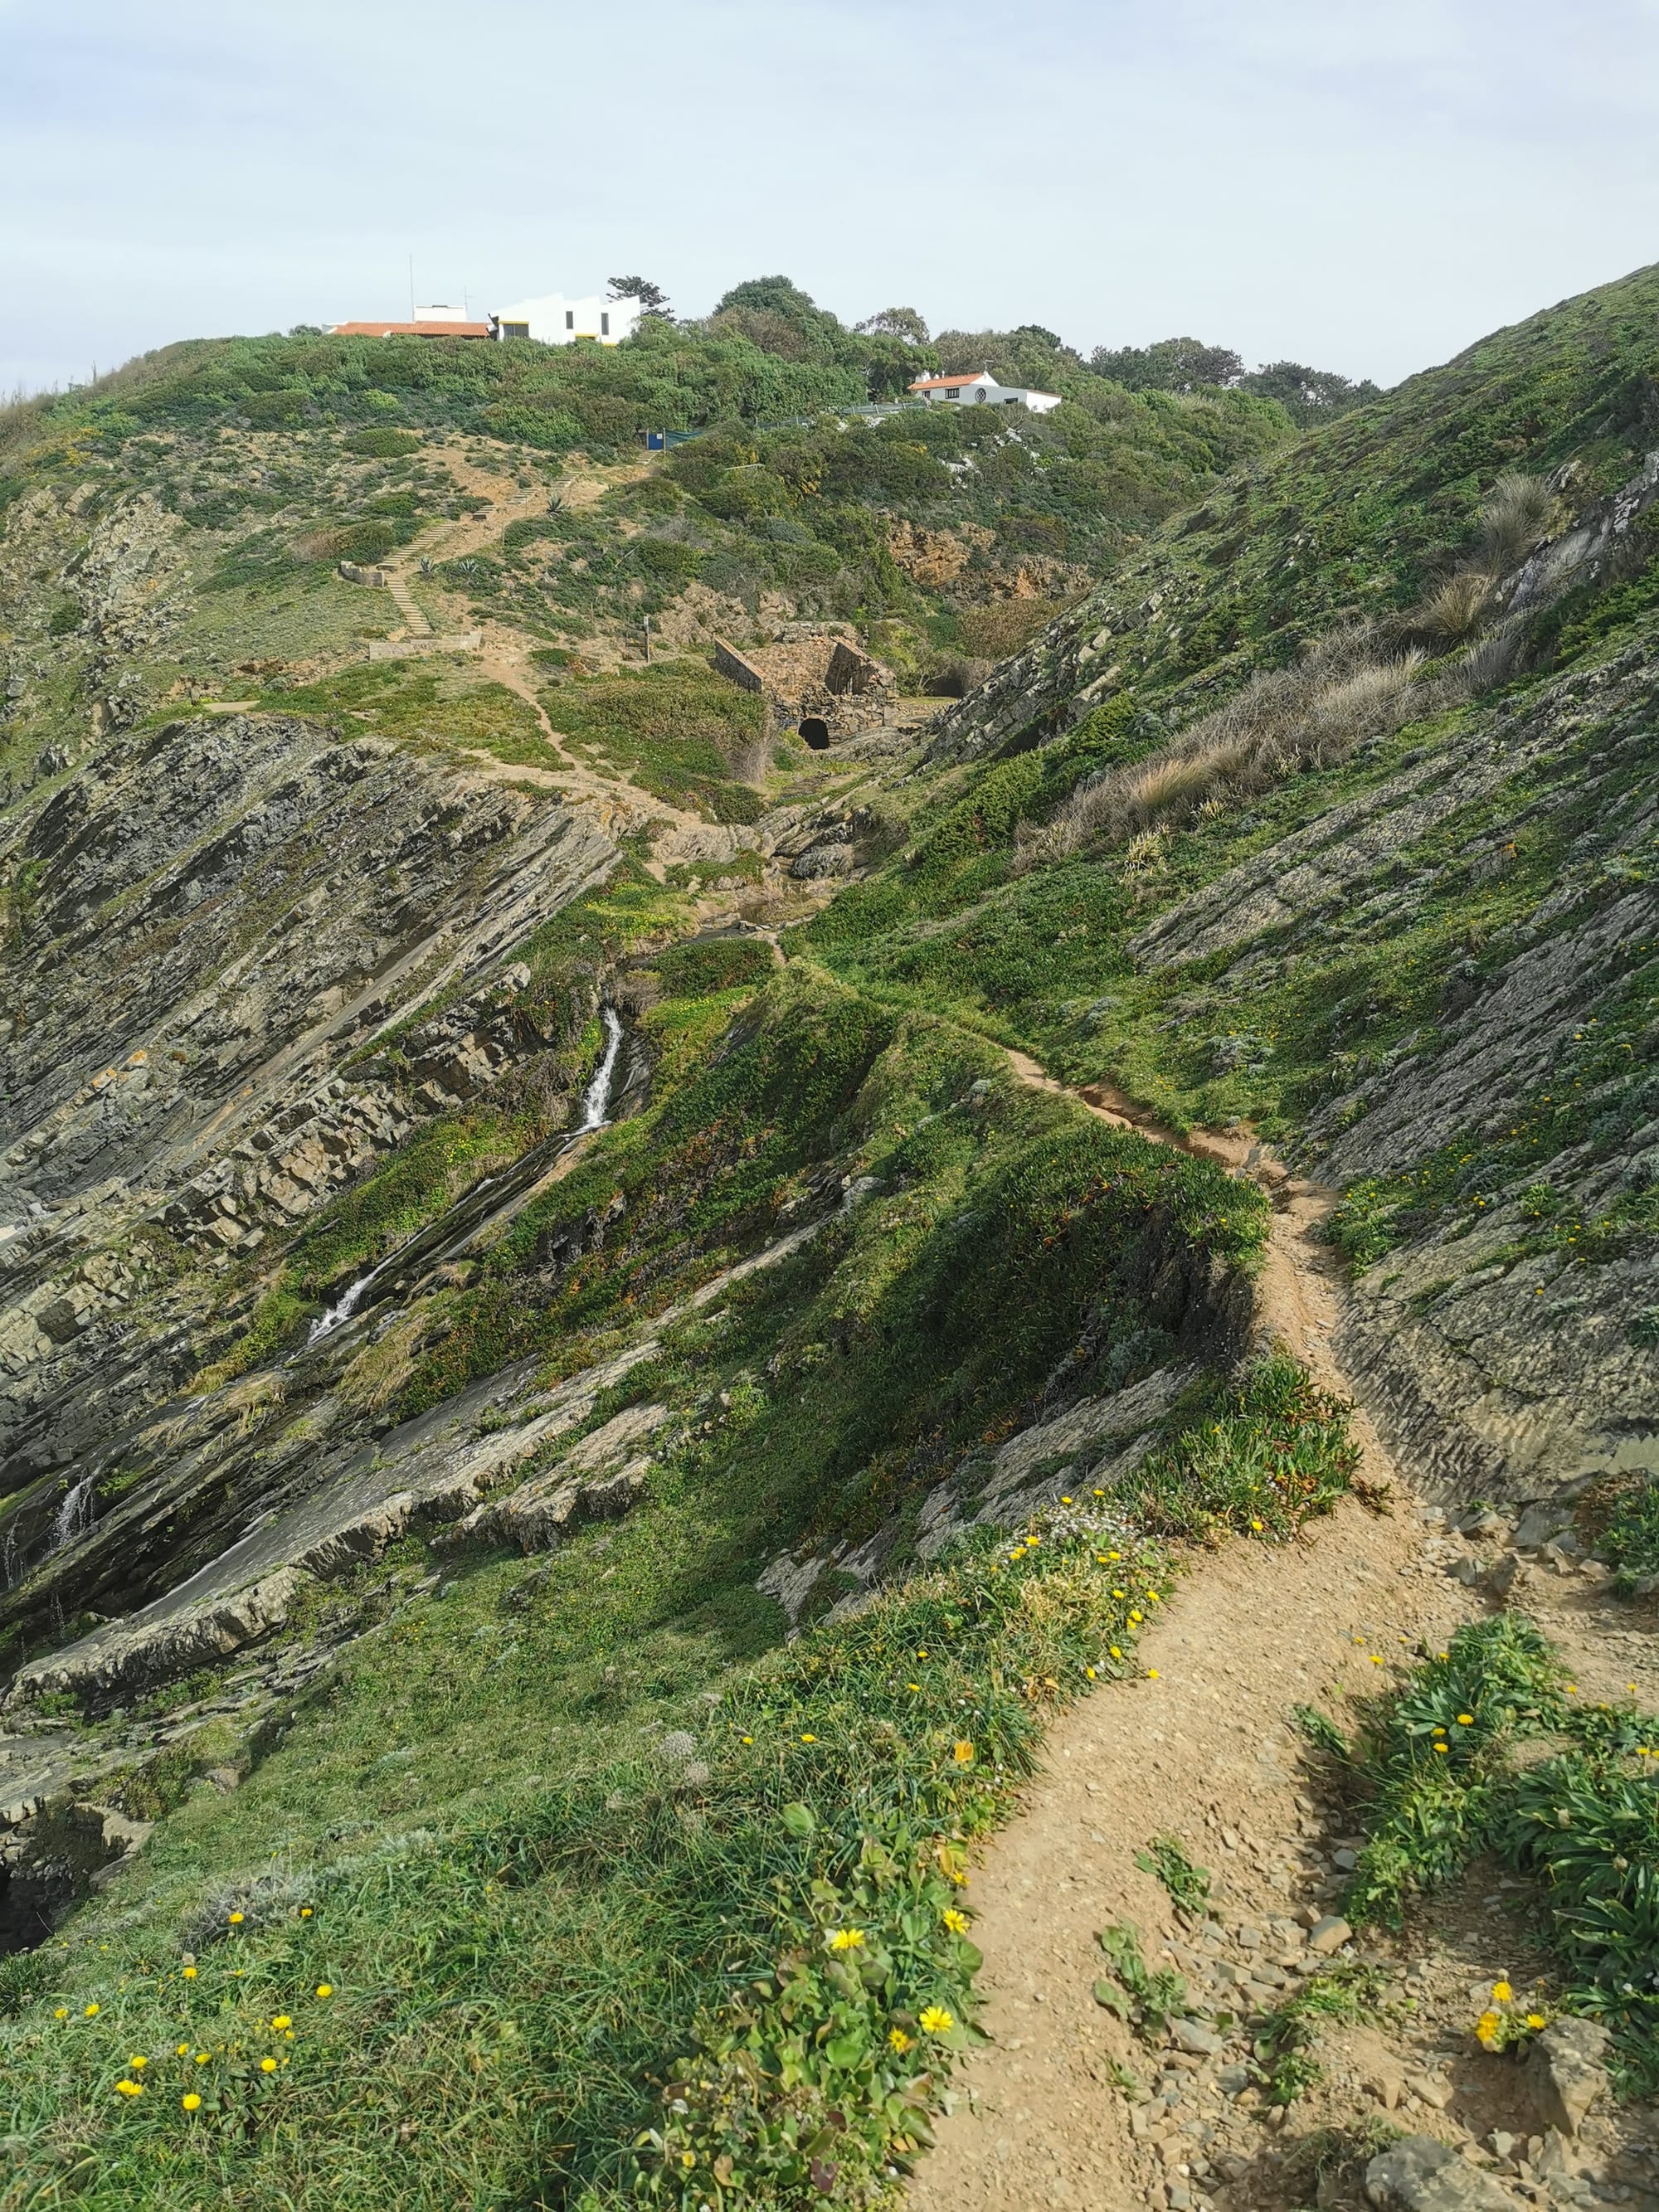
(429, 706)
(1267, 1450)
(1442, 1776)
(1145, 1997)
(1188, 1884)
(679, 730)
(1621, 1513)
(1283, 2050)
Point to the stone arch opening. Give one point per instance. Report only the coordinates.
(814, 731)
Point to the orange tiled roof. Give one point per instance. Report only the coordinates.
(410, 330)
(937, 383)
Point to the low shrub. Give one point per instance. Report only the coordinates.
(383, 444)
(1435, 1761)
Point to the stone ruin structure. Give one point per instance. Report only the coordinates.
(815, 679)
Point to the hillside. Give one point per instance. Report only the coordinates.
(608, 1320)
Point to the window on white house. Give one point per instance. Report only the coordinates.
(570, 318)
(604, 326)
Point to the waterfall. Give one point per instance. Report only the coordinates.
(597, 1097)
(343, 1311)
(73, 1514)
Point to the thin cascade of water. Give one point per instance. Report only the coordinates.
(597, 1097)
(73, 1514)
(348, 1306)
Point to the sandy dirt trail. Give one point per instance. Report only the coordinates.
(1203, 1748)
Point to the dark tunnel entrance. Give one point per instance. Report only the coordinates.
(814, 731)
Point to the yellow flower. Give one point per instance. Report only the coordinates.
(267, 2065)
(921, 1654)
(1535, 2020)
(1115, 1653)
(912, 1685)
(1154, 1596)
(305, 1912)
(1090, 1672)
(847, 1939)
(1466, 1720)
(1117, 1593)
(282, 2020)
(956, 1922)
(191, 2101)
(963, 1753)
(235, 1919)
(137, 2062)
(1375, 1659)
(1100, 1493)
(62, 2013)
(809, 1739)
(183, 2050)
(899, 2040)
(748, 1739)
(935, 2021)
(90, 2010)
(1441, 1747)
(1256, 1525)
(325, 1988)
(1151, 1673)
(129, 2088)
(203, 2057)
(190, 1974)
(1065, 1501)
(1501, 1992)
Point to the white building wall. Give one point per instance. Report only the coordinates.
(555, 319)
(986, 391)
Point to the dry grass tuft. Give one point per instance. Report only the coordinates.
(1458, 607)
(1347, 690)
(1516, 515)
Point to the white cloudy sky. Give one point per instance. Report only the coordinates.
(1366, 185)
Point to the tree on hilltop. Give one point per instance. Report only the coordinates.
(895, 323)
(1171, 365)
(653, 300)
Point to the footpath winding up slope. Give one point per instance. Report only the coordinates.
(1199, 1746)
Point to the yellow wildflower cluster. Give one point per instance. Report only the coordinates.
(1508, 2019)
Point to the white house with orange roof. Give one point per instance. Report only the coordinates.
(982, 391)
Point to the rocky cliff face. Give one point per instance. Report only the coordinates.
(223, 924)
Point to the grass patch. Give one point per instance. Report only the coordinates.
(430, 706)
(678, 729)
(1436, 1763)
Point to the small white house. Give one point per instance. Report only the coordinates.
(555, 320)
(983, 391)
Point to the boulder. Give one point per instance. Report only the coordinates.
(1330, 1935)
(1566, 2072)
(1191, 2035)
(1419, 2174)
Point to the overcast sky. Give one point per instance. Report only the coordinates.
(1364, 185)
